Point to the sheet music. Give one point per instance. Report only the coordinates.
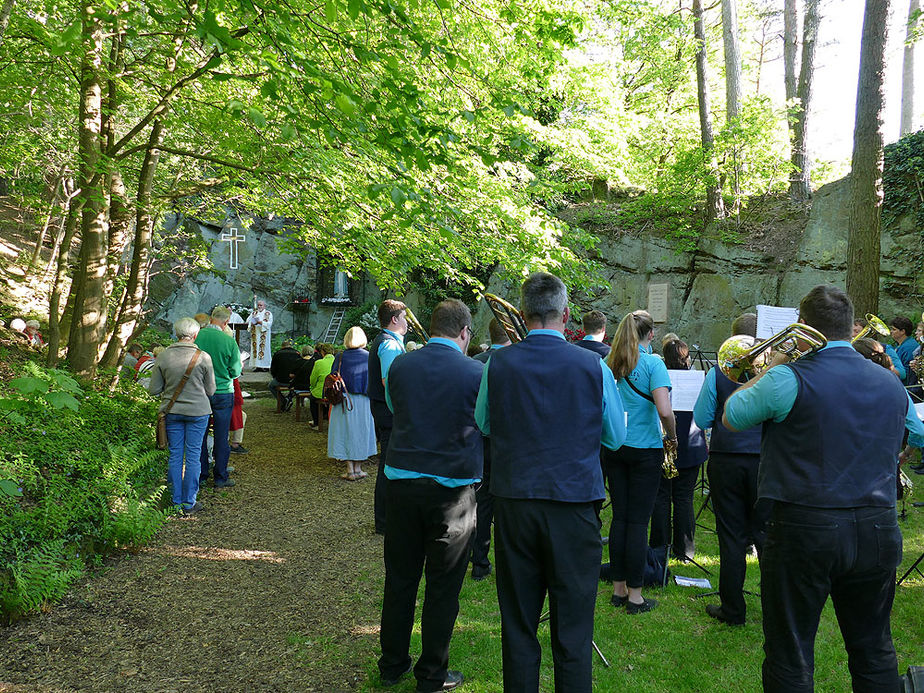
(919, 410)
(685, 387)
(773, 319)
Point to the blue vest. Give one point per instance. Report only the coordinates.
(723, 439)
(691, 448)
(433, 392)
(838, 446)
(374, 389)
(593, 345)
(546, 407)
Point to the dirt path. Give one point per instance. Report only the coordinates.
(263, 592)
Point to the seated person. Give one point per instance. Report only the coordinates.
(283, 364)
(300, 377)
(320, 371)
(33, 334)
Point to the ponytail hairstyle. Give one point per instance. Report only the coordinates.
(632, 329)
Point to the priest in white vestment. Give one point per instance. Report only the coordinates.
(261, 322)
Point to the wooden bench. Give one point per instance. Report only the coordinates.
(323, 406)
(281, 392)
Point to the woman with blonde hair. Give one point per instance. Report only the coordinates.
(351, 434)
(634, 471)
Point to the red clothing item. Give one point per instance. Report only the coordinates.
(237, 412)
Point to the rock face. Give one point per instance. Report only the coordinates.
(270, 266)
(712, 285)
(708, 287)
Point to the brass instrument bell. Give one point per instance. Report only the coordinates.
(415, 325)
(508, 316)
(873, 324)
(740, 363)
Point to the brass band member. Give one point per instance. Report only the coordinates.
(833, 427)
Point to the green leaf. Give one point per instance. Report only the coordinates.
(425, 50)
(330, 11)
(288, 132)
(256, 115)
(10, 488)
(354, 7)
(345, 104)
(26, 385)
(62, 400)
(398, 196)
(451, 60)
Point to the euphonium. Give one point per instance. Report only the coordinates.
(669, 466)
(905, 485)
(740, 359)
(508, 316)
(415, 325)
(873, 324)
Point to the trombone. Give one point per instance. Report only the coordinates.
(508, 316)
(873, 324)
(740, 359)
(415, 325)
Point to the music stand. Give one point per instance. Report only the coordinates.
(701, 358)
(548, 615)
(914, 566)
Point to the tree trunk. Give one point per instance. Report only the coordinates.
(54, 316)
(865, 200)
(70, 191)
(800, 188)
(732, 85)
(88, 324)
(5, 13)
(37, 252)
(732, 60)
(907, 122)
(790, 46)
(130, 309)
(715, 207)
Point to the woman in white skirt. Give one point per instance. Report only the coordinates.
(351, 434)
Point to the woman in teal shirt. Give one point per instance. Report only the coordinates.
(634, 471)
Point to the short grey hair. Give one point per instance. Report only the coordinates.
(186, 328)
(221, 313)
(543, 296)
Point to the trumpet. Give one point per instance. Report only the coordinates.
(415, 325)
(873, 324)
(508, 316)
(669, 465)
(740, 359)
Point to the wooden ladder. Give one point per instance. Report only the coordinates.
(333, 329)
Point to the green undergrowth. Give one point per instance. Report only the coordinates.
(79, 479)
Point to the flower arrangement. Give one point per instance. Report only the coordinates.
(575, 335)
(240, 309)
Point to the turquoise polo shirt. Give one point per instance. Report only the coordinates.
(643, 425)
(389, 350)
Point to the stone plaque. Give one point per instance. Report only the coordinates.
(657, 301)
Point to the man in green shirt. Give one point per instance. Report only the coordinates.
(226, 359)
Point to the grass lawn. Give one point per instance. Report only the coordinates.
(677, 647)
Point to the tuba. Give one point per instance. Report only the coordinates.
(873, 324)
(508, 316)
(740, 361)
(415, 324)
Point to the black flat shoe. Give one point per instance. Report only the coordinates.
(618, 601)
(453, 679)
(646, 605)
(388, 683)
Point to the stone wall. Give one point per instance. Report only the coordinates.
(710, 286)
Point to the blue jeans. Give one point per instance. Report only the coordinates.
(222, 404)
(184, 436)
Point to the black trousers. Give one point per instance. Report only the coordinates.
(383, 419)
(633, 475)
(740, 520)
(484, 501)
(429, 530)
(547, 547)
(677, 531)
(848, 553)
